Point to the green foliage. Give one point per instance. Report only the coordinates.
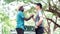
(5, 30)
(6, 23)
(26, 1)
(37, 0)
(49, 15)
(9, 1)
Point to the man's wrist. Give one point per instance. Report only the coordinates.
(37, 25)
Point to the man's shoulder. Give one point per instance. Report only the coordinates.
(19, 12)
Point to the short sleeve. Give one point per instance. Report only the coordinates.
(21, 15)
(40, 14)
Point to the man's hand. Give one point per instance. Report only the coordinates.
(29, 17)
(36, 27)
(32, 16)
(40, 21)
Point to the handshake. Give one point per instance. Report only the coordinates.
(31, 16)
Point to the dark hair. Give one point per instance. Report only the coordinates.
(39, 4)
(21, 8)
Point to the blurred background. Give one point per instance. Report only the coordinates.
(9, 9)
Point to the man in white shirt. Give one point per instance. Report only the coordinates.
(39, 29)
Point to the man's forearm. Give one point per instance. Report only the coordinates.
(27, 18)
(39, 23)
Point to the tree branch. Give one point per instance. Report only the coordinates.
(53, 22)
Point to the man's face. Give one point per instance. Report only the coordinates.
(22, 9)
(37, 7)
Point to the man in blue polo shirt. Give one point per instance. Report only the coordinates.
(20, 20)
